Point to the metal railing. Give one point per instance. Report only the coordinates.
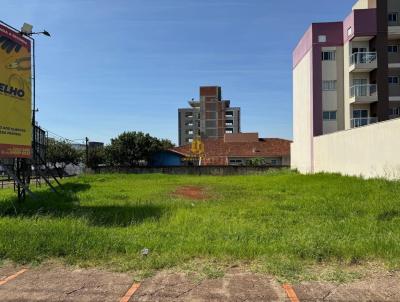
(363, 58)
(365, 121)
(363, 90)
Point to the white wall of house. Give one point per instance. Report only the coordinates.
(371, 151)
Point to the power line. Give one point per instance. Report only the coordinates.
(62, 137)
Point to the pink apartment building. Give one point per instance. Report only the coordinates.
(346, 75)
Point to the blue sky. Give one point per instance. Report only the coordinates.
(119, 65)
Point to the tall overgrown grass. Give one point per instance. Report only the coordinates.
(283, 221)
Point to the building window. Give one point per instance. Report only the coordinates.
(329, 85)
(235, 162)
(394, 111)
(211, 132)
(274, 162)
(190, 140)
(329, 55)
(190, 132)
(393, 48)
(360, 113)
(322, 39)
(229, 130)
(394, 80)
(392, 17)
(329, 115)
(211, 124)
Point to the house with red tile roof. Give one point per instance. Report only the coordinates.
(239, 149)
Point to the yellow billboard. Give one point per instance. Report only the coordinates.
(15, 94)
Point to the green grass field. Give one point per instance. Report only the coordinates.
(279, 222)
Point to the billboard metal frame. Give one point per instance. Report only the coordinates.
(21, 169)
(33, 79)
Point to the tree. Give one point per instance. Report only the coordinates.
(166, 144)
(130, 148)
(60, 154)
(96, 157)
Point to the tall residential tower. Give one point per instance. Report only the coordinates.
(210, 117)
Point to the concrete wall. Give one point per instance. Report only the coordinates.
(371, 151)
(301, 149)
(186, 170)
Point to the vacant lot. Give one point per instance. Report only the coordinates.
(281, 223)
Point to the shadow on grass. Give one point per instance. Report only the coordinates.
(66, 205)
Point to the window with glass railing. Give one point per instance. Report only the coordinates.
(393, 48)
(394, 111)
(394, 80)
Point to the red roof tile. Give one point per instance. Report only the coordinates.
(267, 147)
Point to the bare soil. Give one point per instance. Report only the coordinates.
(191, 192)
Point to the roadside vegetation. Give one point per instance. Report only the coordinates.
(279, 222)
(128, 149)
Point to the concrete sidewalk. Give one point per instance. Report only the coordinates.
(58, 283)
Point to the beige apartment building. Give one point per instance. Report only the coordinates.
(209, 117)
(346, 75)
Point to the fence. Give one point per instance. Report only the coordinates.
(189, 170)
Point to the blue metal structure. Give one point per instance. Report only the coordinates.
(166, 159)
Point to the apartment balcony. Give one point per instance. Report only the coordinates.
(229, 123)
(363, 62)
(361, 122)
(364, 94)
(394, 30)
(194, 104)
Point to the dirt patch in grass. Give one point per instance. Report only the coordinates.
(191, 192)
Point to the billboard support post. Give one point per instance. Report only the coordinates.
(34, 101)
